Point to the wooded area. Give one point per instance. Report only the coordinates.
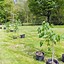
(32, 11)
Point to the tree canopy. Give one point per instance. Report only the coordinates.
(45, 7)
(32, 11)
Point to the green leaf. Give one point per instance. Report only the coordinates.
(39, 30)
(45, 36)
(40, 35)
(49, 49)
(41, 43)
(48, 44)
(54, 42)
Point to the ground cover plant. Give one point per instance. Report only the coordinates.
(21, 51)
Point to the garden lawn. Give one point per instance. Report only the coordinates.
(22, 51)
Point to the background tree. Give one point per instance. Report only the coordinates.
(57, 16)
(45, 7)
(1, 11)
(5, 11)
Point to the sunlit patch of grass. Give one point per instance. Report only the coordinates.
(22, 50)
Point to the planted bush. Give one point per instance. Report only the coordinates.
(11, 27)
(7, 26)
(48, 36)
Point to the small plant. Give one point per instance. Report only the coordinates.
(7, 26)
(11, 27)
(15, 26)
(48, 36)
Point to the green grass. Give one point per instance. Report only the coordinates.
(21, 51)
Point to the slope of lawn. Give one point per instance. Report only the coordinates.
(22, 51)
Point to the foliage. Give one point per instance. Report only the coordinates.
(47, 34)
(15, 26)
(5, 11)
(12, 26)
(32, 11)
(1, 11)
(12, 12)
(7, 26)
(45, 7)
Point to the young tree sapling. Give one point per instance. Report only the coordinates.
(48, 36)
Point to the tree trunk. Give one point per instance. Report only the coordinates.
(22, 23)
(48, 16)
(27, 18)
(52, 53)
(48, 19)
(13, 17)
